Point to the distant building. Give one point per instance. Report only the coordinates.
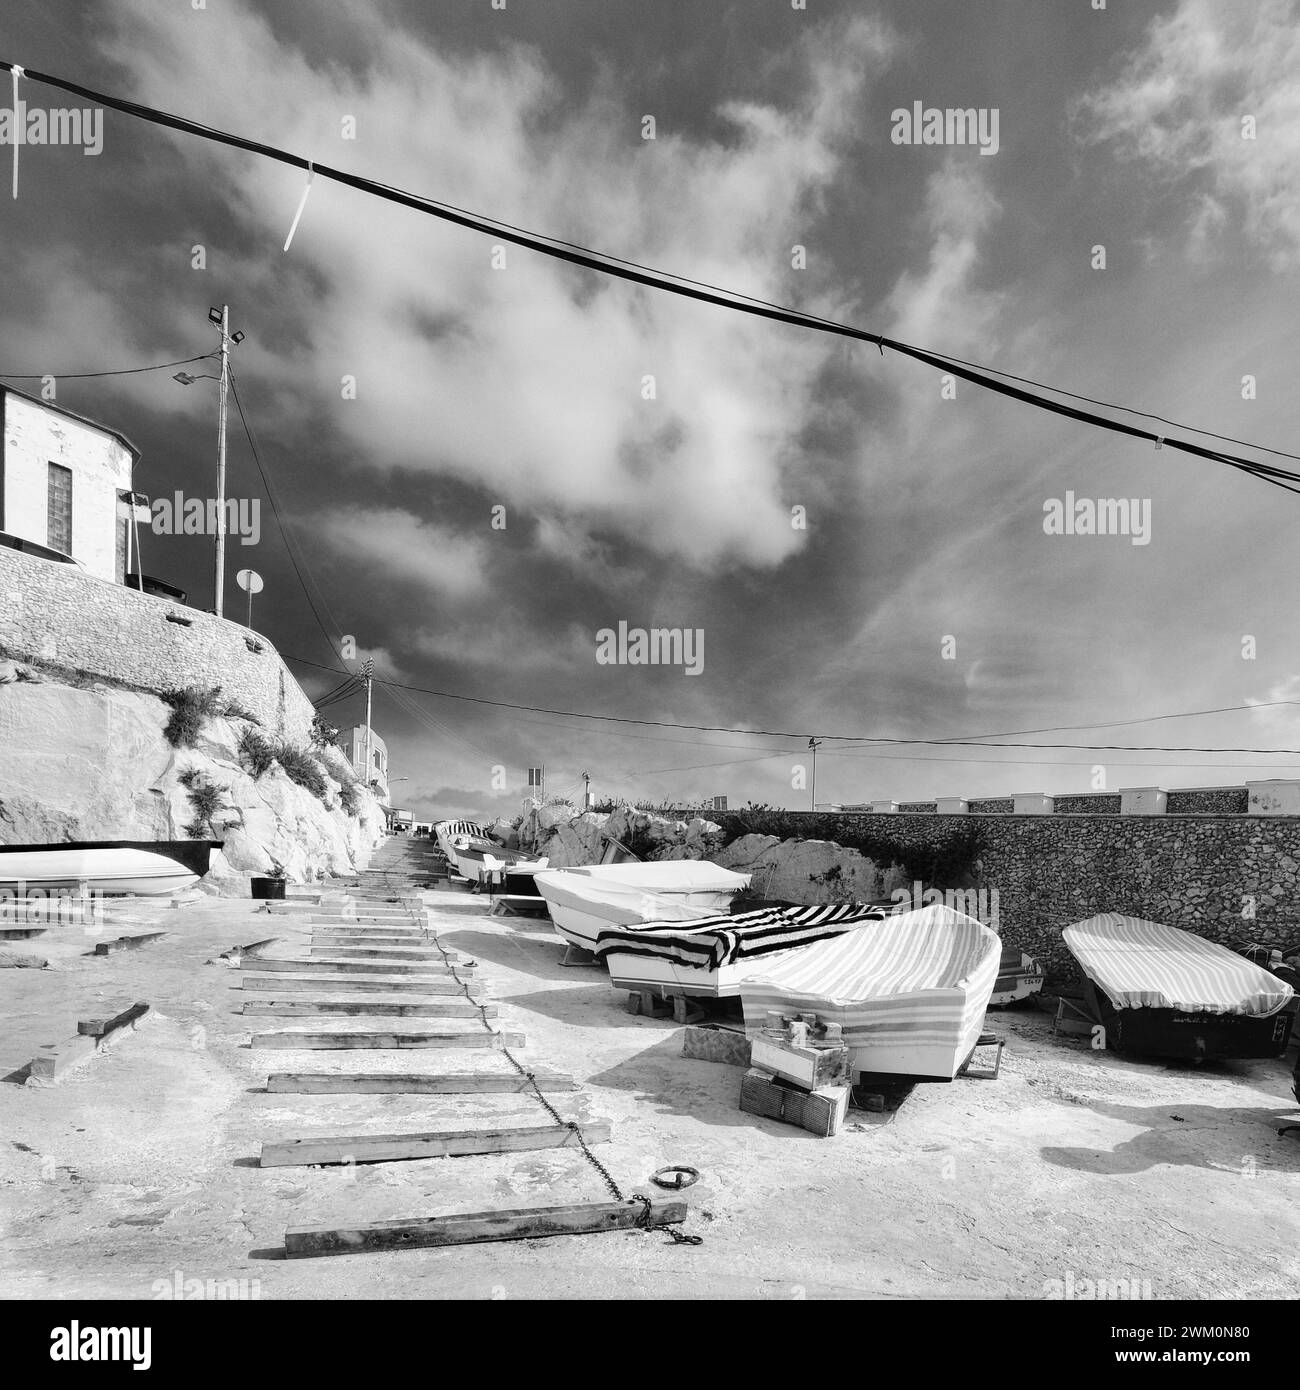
(376, 770)
(64, 484)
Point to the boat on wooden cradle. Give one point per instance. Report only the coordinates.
(909, 994)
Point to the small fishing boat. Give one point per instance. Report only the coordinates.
(1159, 991)
(446, 832)
(97, 870)
(909, 994)
(1019, 977)
(584, 901)
(709, 958)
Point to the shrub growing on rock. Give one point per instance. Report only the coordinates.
(190, 707)
(234, 710)
(300, 767)
(257, 752)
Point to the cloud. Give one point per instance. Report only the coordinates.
(393, 544)
(532, 380)
(1178, 109)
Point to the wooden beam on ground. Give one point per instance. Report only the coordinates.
(391, 1042)
(106, 1023)
(394, 1148)
(381, 936)
(467, 1228)
(21, 933)
(370, 1007)
(411, 954)
(128, 943)
(343, 966)
(332, 1083)
(348, 984)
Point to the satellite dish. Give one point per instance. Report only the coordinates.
(250, 581)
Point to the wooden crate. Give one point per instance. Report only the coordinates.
(820, 1112)
(806, 1065)
(716, 1045)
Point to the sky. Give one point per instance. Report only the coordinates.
(486, 457)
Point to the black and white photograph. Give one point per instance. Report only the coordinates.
(648, 654)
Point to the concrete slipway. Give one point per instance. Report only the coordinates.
(139, 1171)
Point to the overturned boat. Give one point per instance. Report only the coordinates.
(97, 869)
(585, 901)
(1159, 991)
(909, 994)
(710, 957)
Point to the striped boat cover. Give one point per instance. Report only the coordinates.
(920, 977)
(720, 940)
(1144, 965)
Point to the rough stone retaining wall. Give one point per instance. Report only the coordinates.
(1200, 872)
(65, 620)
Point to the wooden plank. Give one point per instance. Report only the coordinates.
(392, 1042)
(466, 1228)
(412, 954)
(128, 943)
(348, 984)
(377, 1007)
(423, 1084)
(107, 1023)
(379, 936)
(341, 966)
(21, 933)
(393, 1148)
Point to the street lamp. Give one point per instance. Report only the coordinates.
(221, 318)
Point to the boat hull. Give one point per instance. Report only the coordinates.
(1019, 977)
(909, 997)
(131, 872)
(581, 923)
(1196, 1037)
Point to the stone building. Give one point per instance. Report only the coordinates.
(65, 484)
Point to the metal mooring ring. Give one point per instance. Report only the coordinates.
(682, 1176)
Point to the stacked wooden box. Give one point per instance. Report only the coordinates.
(799, 1073)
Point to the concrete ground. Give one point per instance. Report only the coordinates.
(139, 1171)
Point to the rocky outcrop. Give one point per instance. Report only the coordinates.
(92, 764)
(809, 871)
(568, 839)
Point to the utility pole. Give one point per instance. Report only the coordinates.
(814, 744)
(221, 459)
(368, 670)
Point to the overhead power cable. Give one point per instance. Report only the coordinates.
(664, 281)
(118, 371)
(281, 523)
(857, 739)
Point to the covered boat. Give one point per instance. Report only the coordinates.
(584, 901)
(709, 958)
(97, 870)
(1163, 992)
(909, 994)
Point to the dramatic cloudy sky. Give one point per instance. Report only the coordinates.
(480, 387)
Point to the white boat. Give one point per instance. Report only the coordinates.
(1019, 977)
(446, 832)
(909, 995)
(584, 901)
(709, 958)
(134, 871)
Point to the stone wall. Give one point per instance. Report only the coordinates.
(1199, 872)
(67, 621)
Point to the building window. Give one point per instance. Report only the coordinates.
(59, 509)
(376, 757)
